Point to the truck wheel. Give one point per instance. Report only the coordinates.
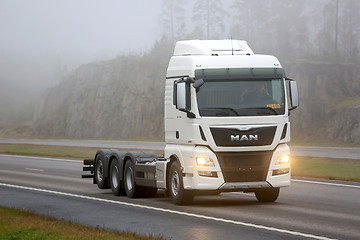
(129, 180)
(268, 195)
(115, 179)
(100, 179)
(178, 194)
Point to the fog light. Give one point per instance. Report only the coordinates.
(283, 159)
(203, 161)
(207, 174)
(281, 171)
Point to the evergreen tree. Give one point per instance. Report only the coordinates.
(349, 29)
(249, 22)
(327, 33)
(208, 18)
(273, 27)
(289, 29)
(172, 19)
(338, 38)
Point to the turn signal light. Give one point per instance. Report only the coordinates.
(208, 174)
(281, 171)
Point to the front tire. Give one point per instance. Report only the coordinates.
(268, 195)
(178, 194)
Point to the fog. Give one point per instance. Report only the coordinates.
(42, 39)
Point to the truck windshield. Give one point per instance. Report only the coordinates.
(241, 97)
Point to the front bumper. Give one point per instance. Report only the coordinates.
(239, 171)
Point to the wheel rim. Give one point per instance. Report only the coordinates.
(99, 171)
(114, 177)
(175, 181)
(129, 177)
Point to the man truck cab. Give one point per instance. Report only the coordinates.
(226, 124)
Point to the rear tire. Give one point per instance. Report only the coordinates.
(131, 189)
(115, 182)
(100, 179)
(178, 194)
(268, 195)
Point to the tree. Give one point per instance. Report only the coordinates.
(340, 31)
(173, 20)
(289, 28)
(208, 18)
(275, 27)
(249, 21)
(348, 32)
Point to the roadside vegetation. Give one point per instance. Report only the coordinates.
(323, 143)
(50, 151)
(326, 168)
(53, 151)
(314, 167)
(24, 225)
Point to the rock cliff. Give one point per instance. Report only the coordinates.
(120, 98)
(123, 98)
(329, 101)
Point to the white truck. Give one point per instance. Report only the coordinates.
(226, 128)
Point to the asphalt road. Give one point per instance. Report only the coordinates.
(332, 152)
(306, 210)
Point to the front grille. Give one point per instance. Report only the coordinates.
(234, 137)
(244, 166)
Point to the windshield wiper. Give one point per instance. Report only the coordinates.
(227, 108)
(263, 108)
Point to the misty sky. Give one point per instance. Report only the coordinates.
(40, 37)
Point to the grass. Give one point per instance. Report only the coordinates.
(24, 225)
(326, 168)
(321, 143)
(52, 151)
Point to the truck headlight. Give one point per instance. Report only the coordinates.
(204, 161)
(283, 159)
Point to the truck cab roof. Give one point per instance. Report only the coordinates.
(212, 47)
(191, 55)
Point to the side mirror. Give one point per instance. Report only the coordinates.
(198, 83)
(294, 95)
(182, 96)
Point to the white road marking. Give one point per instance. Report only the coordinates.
(326, 183)
(262, 227)
(42, 158)
(34, 169)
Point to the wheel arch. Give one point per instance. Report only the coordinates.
(135, 156)
(117, 156)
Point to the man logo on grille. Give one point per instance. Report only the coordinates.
(244, 137)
